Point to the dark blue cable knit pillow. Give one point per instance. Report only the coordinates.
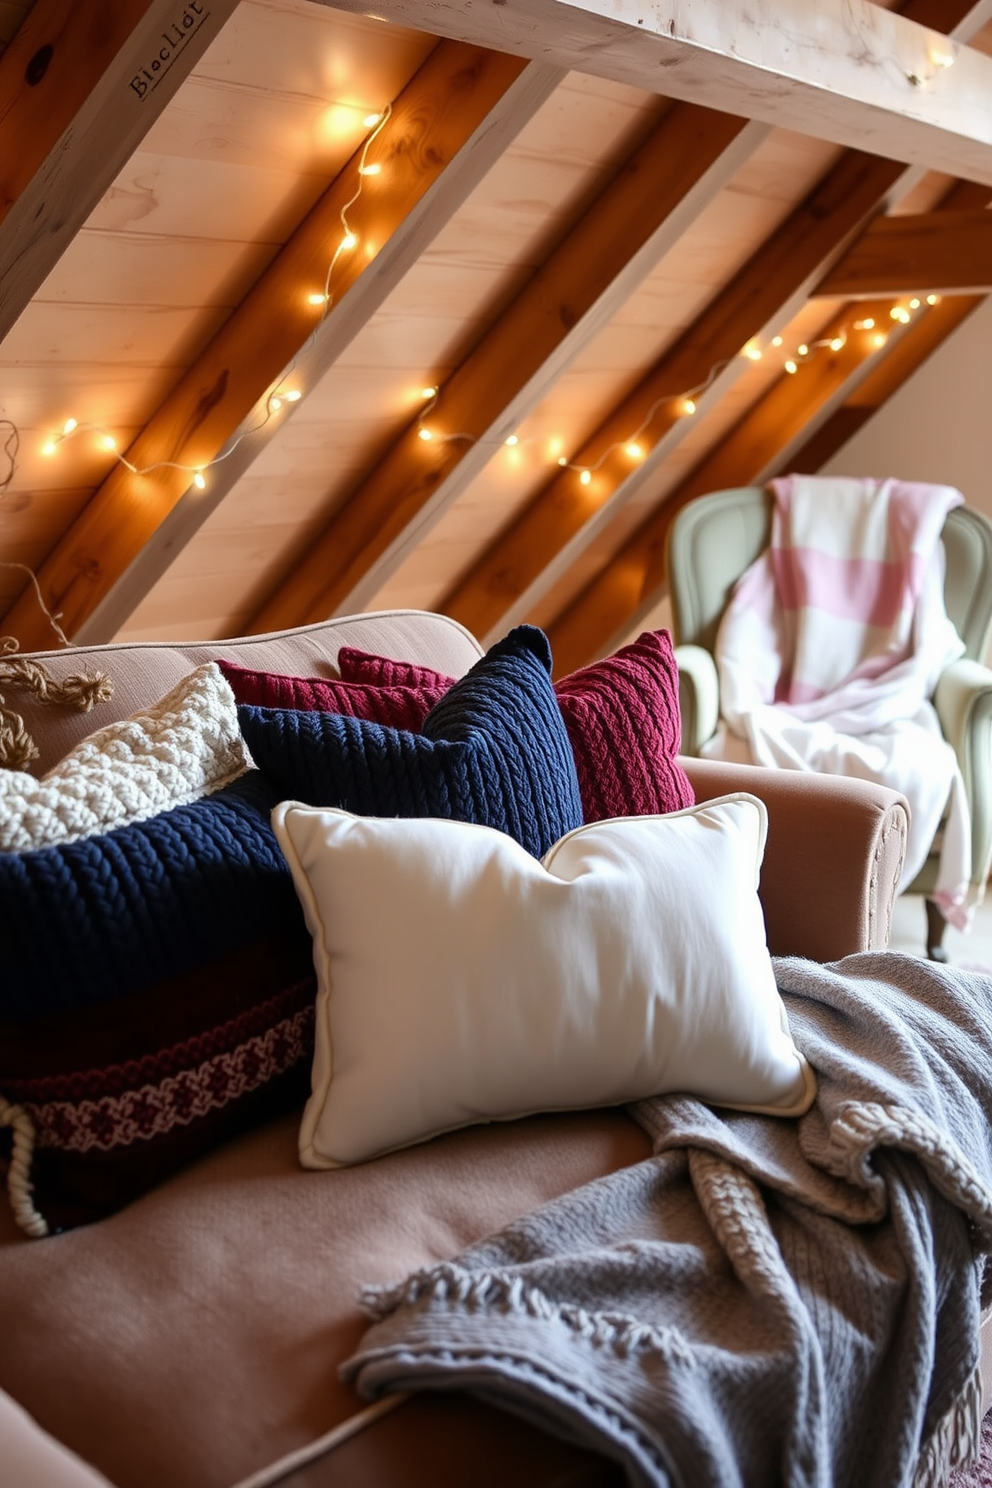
(493, 751)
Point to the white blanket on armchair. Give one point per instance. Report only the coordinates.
(832, 645)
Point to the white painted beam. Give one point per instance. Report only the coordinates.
(841, 70)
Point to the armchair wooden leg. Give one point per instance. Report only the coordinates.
(935, 932)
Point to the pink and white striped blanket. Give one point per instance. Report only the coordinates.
(831, 648)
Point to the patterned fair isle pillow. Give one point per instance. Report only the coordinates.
(158, 983)
(621, 713)
(493, 751)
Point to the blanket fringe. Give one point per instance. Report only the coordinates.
(19, 1186)
(957, 1439)
(496, 1290)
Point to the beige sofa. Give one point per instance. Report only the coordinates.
(194, 1337)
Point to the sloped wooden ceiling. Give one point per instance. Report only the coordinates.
(342, 314)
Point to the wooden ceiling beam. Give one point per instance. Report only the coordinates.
(949, 252)
(642, 210)
(80, 86)
(447, 128)
(841, 70)
(526, 560)
(754, 450)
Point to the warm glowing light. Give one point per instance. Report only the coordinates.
(634, 451)
(900, 313)
(563, 460)
(933, 299)
(688, 405)
(752, 352)
(837, 344)
(375, 169)
(349, 240)
(776, 340)
(317, 299)
(275, 404)
(424, 434)
(109, 442)
(371, 120)
(868, 324)
(941, 57)
(49, 448)
(585, 477)
(878, 339)
(790, 366)
(293, 396)
(513, 439)
(428, 392)
(69, 426)
(199, 481)
(914, 304)
(803, 350)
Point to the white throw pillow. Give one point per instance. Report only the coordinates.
(184, 747)
(462, 980)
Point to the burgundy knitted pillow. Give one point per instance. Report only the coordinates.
(401, 707)
(621, 713)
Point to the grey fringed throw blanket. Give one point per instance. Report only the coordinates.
(763, 1301)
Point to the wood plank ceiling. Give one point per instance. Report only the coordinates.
(350, 315)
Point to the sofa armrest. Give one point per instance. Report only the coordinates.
(699, 696)
(963, 701)
(833, 859)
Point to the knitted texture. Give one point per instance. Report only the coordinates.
(397, 707)
(761, 1301)
(493, 751)
(621, 713)
(187, 744)
(157, 995)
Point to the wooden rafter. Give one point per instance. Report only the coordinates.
(842, 70)
(781, 429)
(80, 86)
(527, 559)
(943, 251)
(640, 212)
(447, 127)
(632, 581)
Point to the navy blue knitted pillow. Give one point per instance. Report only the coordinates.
(157, 995)
(493, 751)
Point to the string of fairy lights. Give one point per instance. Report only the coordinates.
(286, 392)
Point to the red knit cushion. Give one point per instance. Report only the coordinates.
(401, 707)
(621, 713)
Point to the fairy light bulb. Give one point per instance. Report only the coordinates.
(375, 169)
(838, 343)
(868, 324)
(513, 439)
(941, 57)
(563, 461)
(914, 303)
(424, 434)
(371, 120)
(791, 367)
(933, 299)
(752, 352)
(317, 299)
(633, 451)
(69, 427)
(688, 406)
(199, 481)
(428, 392)
(802, 350)
(878, 339)
(275, 404)
(776, 340)
(49, 447)
(900, 313)
(109, 442)
(293, 396)
(585, 477)
(349, 241)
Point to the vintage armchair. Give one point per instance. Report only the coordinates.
(715, 538)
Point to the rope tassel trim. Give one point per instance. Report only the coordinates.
(20, 1189)
(81, 691)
